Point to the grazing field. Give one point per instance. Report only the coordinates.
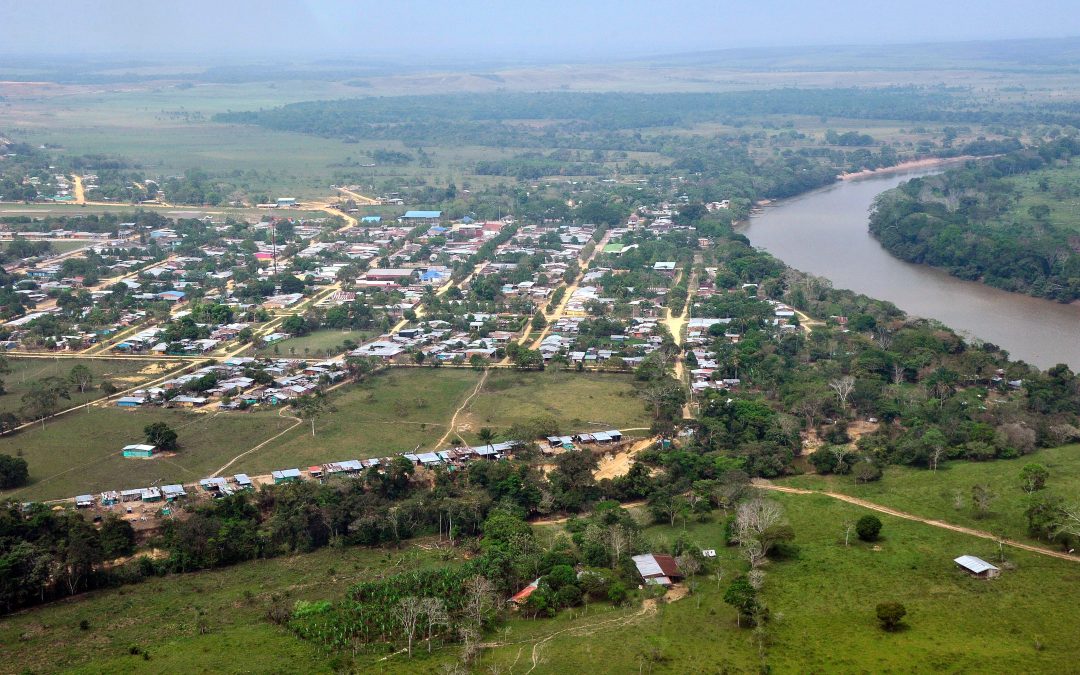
(58, 245)
(393, 412)
(935, 495)
(314, 344)
(203, 622)
(123, 373)
(79, 452)
(822, 606)
(577, 401)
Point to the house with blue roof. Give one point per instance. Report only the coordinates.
(422, 215)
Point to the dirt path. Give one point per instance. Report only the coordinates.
(451, 429)
(281, 413)
(765, 485)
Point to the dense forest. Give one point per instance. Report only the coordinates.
(984, 222)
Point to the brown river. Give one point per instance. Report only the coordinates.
(825, 233)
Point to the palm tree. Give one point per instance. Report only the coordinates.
(487, 435)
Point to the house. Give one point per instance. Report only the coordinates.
(84, 501)
(243, 481)
(129, 401)
(521, 596)
(657, 569)
(422, 215)
(977, 567)
(173, 492)
(139, 450)
(286, 475)
(110, 498)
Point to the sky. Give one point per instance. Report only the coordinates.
(551, 30)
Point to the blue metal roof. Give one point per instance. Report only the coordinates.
(423, 214)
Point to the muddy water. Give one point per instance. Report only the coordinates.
(825, 233)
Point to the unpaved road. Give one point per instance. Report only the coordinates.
(765, 485)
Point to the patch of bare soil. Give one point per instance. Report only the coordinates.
(613, 465)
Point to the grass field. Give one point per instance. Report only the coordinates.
(822, 604)
(122, 373)
(79, 452)
(58, 245)
(578, 401)
(314, 344)
(933, 495)
(391, 413)
(1062, 196)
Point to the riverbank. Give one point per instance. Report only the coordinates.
(913, 165)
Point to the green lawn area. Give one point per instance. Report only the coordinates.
(578, 401)
(933, 495)
(197, 623)
(314, 344)
(79, 452)
(123, 373)
(393, 412)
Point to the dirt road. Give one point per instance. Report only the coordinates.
(766, 485)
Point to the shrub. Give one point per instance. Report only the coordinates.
(868, 528)
(890, 614)
(866, 472)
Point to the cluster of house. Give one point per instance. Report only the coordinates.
(438, 340)
(232, 388)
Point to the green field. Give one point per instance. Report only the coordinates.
(578, 401)
(314, 344)
(933, 495)
(198, 623)
(123, 373)
(79, 452)
(1061, 196)
(58, 245)
(822, 604)
(394, 412)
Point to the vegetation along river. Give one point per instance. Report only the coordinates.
(825, 233)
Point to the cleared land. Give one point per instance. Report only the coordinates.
(935, 495)
(80, 452)
(123, 373)
(578, 401)
(314, 344)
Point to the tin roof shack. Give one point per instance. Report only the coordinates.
(977, 567)
(139, 450)
(657, 568)
(286, 475)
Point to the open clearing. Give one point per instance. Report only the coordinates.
(79, 452)
(123, 373)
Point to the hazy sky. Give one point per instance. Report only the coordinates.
(549, 29)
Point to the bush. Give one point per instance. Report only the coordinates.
(866, 472)
(868, 528)
(890, 614)
(13, 472)
(617, 593)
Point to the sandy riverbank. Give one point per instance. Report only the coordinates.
(927, 163)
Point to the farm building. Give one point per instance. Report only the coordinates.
(129, 401)
(657, 568)
(173, 492)
(521, 596)
(977, 567)
(422, 215)
(243, 481)
(84, 501)
(139, 450)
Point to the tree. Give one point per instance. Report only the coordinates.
(935, 444)
(849, 528)
(1033, 477)
(161, 435)
(868, 528)
(981, 497)
(312, 408)
(890, 614)
(486, 435)
(843, 386)
(117, 537)
(741, 595)
(408, 612)
(435, 614)
(753, 520)
(13, 472)
(44, 398)
(479, 600)
(81, 377)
